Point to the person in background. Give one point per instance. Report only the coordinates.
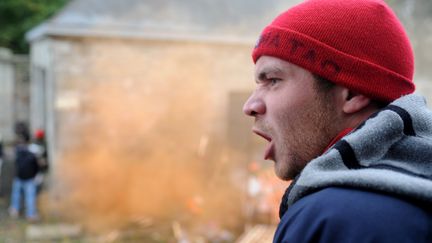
(1, 156)
(38, 147)
(26, 169)
(1, 148)
(334, 101)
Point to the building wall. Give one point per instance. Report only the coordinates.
(116, 108)
(42, 88)
(22, 89)
(187, 82)
(6, 94)
(14, 92)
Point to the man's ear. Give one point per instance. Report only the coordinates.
(353, 102)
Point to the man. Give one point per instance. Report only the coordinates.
(38, 148)
(334, 102)
(26, 167)
(1, 153)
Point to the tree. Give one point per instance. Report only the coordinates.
(19, 16)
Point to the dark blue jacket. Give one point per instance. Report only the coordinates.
(343, 215)
(26, 163)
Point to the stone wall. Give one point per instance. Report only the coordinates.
(7, 78)
(137, 114)
(14, 92)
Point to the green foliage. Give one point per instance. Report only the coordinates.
(19, 16)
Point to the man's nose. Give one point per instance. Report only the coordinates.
(254, 106)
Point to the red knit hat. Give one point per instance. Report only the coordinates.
(39, 134)
(359, 44)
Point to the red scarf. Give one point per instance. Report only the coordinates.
(338, 137)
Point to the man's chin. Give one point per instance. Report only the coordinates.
(283, 174)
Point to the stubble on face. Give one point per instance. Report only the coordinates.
(292, 112)
(308, 133)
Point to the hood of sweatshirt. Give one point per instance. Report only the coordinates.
(391, 152)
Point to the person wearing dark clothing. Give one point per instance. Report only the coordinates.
(338, 214)
(334, 99)
(1, 147)
(26, 169)
(39, 148)
(1, 156)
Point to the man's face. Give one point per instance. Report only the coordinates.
(297, 120)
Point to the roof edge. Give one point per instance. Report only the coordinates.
(47, 29)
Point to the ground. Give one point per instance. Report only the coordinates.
(11, 231)
(17, 230)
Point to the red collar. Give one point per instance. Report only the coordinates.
(338, 137)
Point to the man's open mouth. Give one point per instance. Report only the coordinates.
(269, 151)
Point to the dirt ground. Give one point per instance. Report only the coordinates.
(16, 231)
(11, 230)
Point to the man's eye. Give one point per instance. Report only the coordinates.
(273, 81)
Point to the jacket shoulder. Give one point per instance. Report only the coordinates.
(350, 215)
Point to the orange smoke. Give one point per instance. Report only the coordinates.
(143, 149)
